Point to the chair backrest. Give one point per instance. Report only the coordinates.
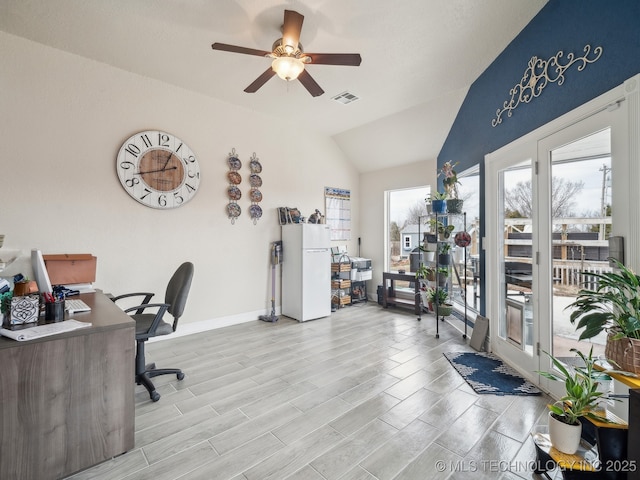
(178, 290)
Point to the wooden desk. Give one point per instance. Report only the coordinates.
(389, 294)
(67, 401)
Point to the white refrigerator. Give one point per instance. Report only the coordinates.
(306, 271)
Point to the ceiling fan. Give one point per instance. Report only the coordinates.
(289, 58)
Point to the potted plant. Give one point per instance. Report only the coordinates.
(422, 275)
(580, 400)
(438, 203)
(444, 258)
(442, 274)
(614, 307)
(427, 202)
(5, 308)
(450, 183)
(444, 231)
(425, 273)
(438, 298)
(430, 239)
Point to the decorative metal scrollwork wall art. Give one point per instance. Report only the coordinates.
(539, 74)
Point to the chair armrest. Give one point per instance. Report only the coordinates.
(147, 298)
(162, 309)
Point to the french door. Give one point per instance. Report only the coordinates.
(575, 162)
(509, 245)
(551, 206)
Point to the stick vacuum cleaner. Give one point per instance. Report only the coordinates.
(276, 258)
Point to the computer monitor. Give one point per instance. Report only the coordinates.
(40, 271)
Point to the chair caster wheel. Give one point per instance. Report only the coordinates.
(155, 396)
(180, 375)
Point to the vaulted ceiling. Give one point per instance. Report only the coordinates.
(419, 58)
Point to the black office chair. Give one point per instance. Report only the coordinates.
(152, 325)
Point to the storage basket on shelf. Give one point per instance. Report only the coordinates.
(623, 352)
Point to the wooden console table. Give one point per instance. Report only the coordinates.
(67, 400)
(389, 291)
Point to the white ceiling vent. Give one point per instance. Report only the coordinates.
(345, 97)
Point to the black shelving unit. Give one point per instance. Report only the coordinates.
(446, 219)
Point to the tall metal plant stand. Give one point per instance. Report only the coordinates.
(463, 287)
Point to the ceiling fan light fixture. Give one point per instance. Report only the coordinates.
(288, 68)
(288, 58)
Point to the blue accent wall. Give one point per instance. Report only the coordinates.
(566, 25)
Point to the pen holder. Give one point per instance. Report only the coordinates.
(54, 311)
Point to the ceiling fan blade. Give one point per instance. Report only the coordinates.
(349, 59)
(310, 84)
(235, 49)
(291, 28)
(260, 81)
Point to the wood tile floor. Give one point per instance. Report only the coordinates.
(364, 394)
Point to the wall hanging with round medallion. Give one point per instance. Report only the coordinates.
(462, 239)
(233, 191)
(158, 169)
(255, 210)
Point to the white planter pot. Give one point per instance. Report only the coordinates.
(458, 255)
(565, 438)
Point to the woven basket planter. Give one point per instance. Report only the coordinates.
(625, 352)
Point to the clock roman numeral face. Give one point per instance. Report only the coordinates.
(158, 169)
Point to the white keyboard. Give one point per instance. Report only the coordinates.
(75, 306)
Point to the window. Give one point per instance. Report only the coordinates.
(404, 209)
(469, 192)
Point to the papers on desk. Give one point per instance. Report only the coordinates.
(40, 331)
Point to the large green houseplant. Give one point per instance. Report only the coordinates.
(580, 400)
(613, 306)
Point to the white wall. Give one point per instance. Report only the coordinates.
(372, 207)
(63, 120)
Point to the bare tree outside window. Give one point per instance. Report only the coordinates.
(415, 212)
(518, 200)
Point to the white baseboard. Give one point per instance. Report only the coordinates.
(211, 324)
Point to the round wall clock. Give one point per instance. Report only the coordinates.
(158, 169)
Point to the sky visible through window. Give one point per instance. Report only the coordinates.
(401, 201)
(587, 202)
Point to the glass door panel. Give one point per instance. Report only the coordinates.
(516, 281)
(509, 246)
(575, 211)
(580, 227)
